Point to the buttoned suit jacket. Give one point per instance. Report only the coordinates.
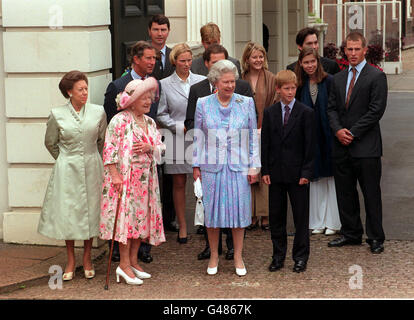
(288, 152)
(365, 109)
(203, 89)
(173, 105)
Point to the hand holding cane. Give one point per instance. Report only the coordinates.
(113, 238)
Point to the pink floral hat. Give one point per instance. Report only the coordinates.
(134, 90)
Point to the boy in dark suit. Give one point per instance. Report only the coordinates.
(288, 144)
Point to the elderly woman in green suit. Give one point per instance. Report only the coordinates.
(74, 137)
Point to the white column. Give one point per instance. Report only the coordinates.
(42, 40)
(340, 25)
(257, 21)
(284, 40)
(275, 16)
(221, 12)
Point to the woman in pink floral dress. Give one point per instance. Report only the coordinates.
(132, 148)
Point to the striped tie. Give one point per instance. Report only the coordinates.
(351, 86)
(286, 117)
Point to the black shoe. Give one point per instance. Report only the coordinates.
(205, 254)
(181, 240)
(145, 257)
(265, 227)
(230, 254)
(115, 257)
(276, 265)
(376, 246)
(253, 226)
(343, 241)
(299, 266)
(201, 230)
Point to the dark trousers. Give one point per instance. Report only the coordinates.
(229, 239)
(367, 171)
(299, 199)
(166, 183)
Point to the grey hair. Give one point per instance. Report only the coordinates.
(221, 67)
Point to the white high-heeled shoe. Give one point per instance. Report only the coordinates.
(140, 274)
(330, 232)
(67, 276)
(318, 231)
(89, 274)
(241, 272)
(128, 280)
(212, 271)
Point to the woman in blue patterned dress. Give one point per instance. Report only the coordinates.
(226, 159)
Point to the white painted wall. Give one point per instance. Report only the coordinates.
(42, 40)
(4, 205)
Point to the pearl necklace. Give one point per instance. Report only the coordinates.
(140, 121)
(222, 103)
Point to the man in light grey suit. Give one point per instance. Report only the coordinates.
(210, 33)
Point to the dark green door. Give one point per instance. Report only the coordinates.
(129, 24)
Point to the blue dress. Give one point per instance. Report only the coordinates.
(227, 193)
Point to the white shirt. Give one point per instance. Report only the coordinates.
(184, 84)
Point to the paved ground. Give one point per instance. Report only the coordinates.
(177, 274)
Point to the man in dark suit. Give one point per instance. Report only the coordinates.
(142, 62)
(213, 53)
(210, 34)
(288, 144)
(357, 101)
(142, 65)
(308, 38)
(158, 31)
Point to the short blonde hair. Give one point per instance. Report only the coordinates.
(284, 77)
(248, 50)
(210, 31)
(177, 50)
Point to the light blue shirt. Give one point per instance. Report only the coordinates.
(163, 50)
(358, 68)
(290, 105)
(136, 76)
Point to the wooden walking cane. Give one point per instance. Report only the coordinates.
(113, 238)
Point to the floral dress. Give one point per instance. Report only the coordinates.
(140, 214)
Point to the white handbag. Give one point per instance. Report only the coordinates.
(199, 210)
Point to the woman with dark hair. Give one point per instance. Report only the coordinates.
(74, 137)
(313, 91)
